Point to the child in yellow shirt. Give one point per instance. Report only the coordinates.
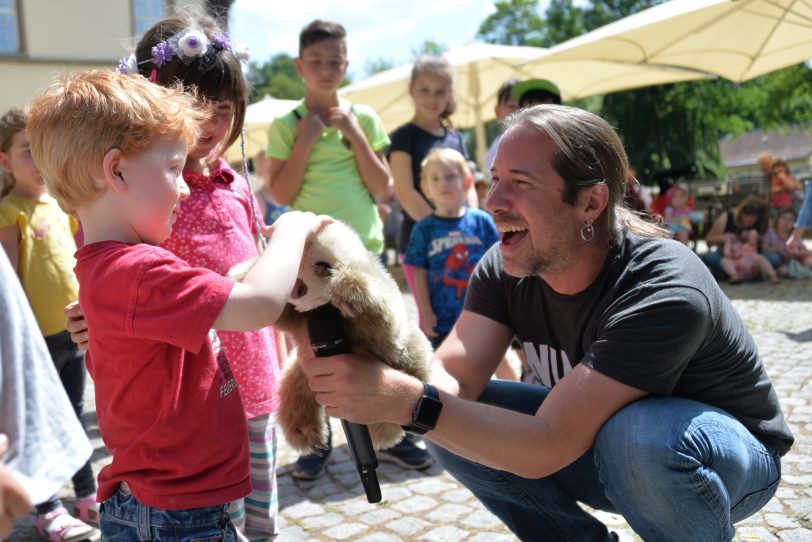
(38, 238)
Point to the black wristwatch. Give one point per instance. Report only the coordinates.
(427, 411)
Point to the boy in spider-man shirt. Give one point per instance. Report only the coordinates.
(445, 246)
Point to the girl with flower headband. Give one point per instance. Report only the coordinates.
(218, 226)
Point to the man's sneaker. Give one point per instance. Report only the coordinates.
(406, 454)
(310, 466)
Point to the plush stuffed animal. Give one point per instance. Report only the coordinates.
(336, 268)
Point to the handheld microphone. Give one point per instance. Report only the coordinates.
(328, 338)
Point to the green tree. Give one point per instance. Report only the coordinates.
(514, 22)
(277, 78)
(668, 130)
(429, 47)
(784, 97)
(377, 65)
(564, 21)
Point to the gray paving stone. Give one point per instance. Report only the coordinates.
(346, 531)
(408, 525)
(444, 534)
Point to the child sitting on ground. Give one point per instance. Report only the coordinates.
(774, 244)
(111, 148)
(741, 260)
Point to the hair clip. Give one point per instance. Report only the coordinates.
(189, 44)
(128, 65)
(221, 40)
(162, 54)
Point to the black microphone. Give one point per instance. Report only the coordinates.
(328, 338)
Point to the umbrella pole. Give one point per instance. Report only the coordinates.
(479, 126)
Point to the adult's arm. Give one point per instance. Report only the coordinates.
(359, 389)
(716, 234)
(802, 222)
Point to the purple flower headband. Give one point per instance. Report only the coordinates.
(186, 45)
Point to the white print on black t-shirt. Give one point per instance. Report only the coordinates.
(222, 364)
(547, 364)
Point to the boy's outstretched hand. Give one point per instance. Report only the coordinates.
(14, 500)
(306, 222)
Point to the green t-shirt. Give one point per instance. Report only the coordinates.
(332, 184)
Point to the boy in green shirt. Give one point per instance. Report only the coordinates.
(327, 154)
(327, 157)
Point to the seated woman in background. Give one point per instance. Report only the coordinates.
(749, 214)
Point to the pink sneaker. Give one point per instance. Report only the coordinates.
(59, 526)
(87, 509)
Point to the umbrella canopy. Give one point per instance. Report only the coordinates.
(734, 39)
(258, 118)
(481, 68)
(582, 77)
(479, 71)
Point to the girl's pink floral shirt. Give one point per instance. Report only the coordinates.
(215, 230)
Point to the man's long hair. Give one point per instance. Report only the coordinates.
(588, 150)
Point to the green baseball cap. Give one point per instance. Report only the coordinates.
(520, 88)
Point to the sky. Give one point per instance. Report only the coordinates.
(376, 29)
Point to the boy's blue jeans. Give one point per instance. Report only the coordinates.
(675, 469)
(124, 519)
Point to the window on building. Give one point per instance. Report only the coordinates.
(9, 29)
(146, 13)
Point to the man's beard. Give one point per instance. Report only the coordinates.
(539, 261)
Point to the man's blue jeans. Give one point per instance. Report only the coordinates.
(125, 519)
(675, 469)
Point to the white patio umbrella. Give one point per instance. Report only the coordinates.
(582, 77)
(258, 118)
(734, 39)
(481, 68)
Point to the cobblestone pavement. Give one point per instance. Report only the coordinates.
(431, 506)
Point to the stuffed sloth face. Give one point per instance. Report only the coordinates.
(335, 248)
(312, 289)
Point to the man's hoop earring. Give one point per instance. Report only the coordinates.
(588, 232)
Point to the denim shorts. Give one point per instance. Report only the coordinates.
(124, 519)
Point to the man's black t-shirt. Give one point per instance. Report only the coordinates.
(654, 319)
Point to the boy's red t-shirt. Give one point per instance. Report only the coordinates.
(168, 407)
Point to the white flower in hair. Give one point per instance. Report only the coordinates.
(241, 51)
(128, 66)
(193, 43)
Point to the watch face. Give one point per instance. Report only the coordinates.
(428, 412)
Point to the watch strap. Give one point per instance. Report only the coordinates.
(430, 393)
